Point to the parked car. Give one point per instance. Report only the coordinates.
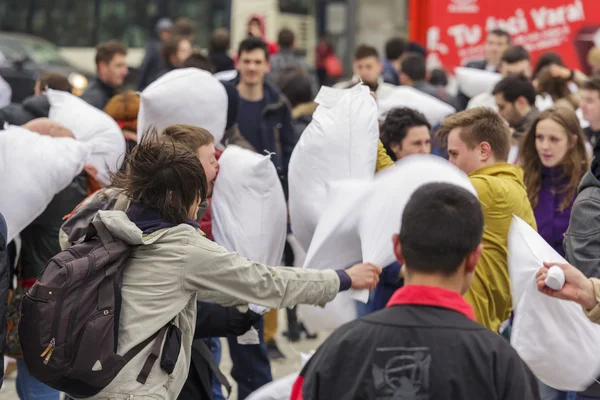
(24, 57)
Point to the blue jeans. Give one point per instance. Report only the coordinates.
(548, 393)
(215, 349)
(29, 388)
(251, 368)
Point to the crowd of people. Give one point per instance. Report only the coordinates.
(529, 148)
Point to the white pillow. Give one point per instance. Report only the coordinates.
(34, 168)
(248, 206)
(184, 96)
(433, 108)
(554, 337)
(340, 143)
(472, 81)
(92, 126)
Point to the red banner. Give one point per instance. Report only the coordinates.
(455, 30)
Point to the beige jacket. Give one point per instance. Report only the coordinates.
(594, 313)
(172, 268)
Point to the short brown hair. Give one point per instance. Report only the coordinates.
(198, 60)
(479, 125)
(192, 137)
(56, 81)
(124, 109)
(220, 40)
(365, 51)
(592, 84)
(107, 50)
(183, 27)
(286, 38)
(165, 176)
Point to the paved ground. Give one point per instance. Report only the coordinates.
(291, 364)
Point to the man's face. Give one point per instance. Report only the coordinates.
(519, 68)
(369, 70)
(508, 110)
(165, 35)
(461, 155)
(114, 72)
(253, 66)
(254, 29)
(495, 46)
(184, 50)
(208, 158)
(417, 141)
(590, 105)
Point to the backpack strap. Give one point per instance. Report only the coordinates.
(97, 228)
(153, 356)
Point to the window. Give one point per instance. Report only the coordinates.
(130, 21)
(207, 16)
(295, 6)
(68, 23)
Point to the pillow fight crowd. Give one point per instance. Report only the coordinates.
(118, 286)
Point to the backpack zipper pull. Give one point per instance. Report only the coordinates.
(49, 350)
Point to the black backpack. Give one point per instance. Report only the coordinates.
(70, 318)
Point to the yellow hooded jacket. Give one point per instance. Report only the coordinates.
(501, 193)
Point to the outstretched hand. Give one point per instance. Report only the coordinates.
(364, 276)
(577, 287)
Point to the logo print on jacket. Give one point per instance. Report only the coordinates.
(401, 373)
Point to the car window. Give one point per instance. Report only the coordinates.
(43, 52)
(11, 51)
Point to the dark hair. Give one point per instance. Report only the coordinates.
(365, 51)
(251, 44)
(107, 50)
(286, 38)
(169, 48)
(476, 126)
(183, 27)
(414, 67)
(501, 33)
(163, 175)
(220, 40)
(295, 84)
(556, 87)
(192, 137)
(513, 87)
(515, 54)
(573, 166)
(198, 60)
(546, 59)
(438, 77)
(441, 224)
(56, 81)
(394, 48)
(592, 84)
(396, 126)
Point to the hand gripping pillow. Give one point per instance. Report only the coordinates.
(554, 337)
(472, 81)
(33, 168)
(184, 96)
(434, 109)
(248, 206)
(340, 143)
(92, 126)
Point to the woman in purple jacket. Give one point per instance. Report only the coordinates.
(554, 159)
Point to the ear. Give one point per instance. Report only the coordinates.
(395, 146)
(485, 151)
(398, 249)
(473, 258)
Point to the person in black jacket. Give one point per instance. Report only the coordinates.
(4, 286)
(425, 344)
(36, 106)
(151, 64)
(112, 70)
(219, 45)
